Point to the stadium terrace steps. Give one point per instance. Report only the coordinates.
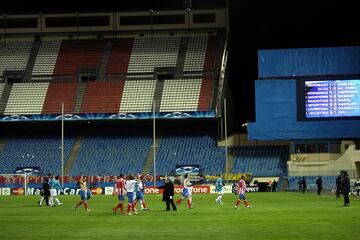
(5, 90)
(76, 54)
(102, 97)
(148, 166)
(73, 154)
(119, 58)
(60, 92)
(31, 61)
(104, 60)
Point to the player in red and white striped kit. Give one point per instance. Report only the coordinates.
(120, 190)
(242, 189)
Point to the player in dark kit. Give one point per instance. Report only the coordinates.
(45, 191)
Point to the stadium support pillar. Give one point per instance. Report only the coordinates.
(225, 131)
(62, 144)
(154, 147)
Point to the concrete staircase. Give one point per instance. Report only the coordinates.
(231, 160)
(5, 97)
(181, 57)
(150, 158)
(158, 94)
(2, 144)
(104, 60)
(79, 98)
(74, 154)
(31, 61)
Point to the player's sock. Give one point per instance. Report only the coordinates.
(189, 203)
(77, 205)
(218, 200)
(41, 201)
(178, 201)
(128, 209)
(133, 207)
(144, 204)
(237, 202)
(51, 202)
(135, 204)
(246, 203)
(57, 200)
(86, 206)
(121, 207)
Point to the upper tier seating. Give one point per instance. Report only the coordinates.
(119, 58)
(26, 98)
(58, 93)
(180, 95)
(148, 53)
(46, 58)
(14, 55)
(78, 54)
(138, 96)
(196, 52)
(261, 161)
(2, 85)
(102, 97)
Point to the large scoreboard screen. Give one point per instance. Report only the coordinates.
(329, 99)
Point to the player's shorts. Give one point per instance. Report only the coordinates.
(83, 195)
(53, 192)
(121, 197)
(220, 192)
(139, 196)
(242, 196)
(130, 196)
(186, 192)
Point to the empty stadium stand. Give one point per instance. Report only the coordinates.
(46, 59)
(57, 93)
(78, 54)
(329, 182)
(261, 161)
(26, 98)
(14, 55)
(34, 150)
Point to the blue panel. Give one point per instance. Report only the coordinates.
(308, 62)
(107, 116)
(276, 116)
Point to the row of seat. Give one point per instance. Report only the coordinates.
(108, 96)
(127, 55)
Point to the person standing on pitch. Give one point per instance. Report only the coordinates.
(83, 193)
(357, 187)
(119, 189)
(319, 185)
(219, 185)
(346, 189)
(46, 191)
(55, 187)
(139, 192)
(130, 189)
(338, 186)
(303, 184)
(168, 194)
(242, 189)
(186, 192)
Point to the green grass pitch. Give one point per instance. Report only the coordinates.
(283, 215)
